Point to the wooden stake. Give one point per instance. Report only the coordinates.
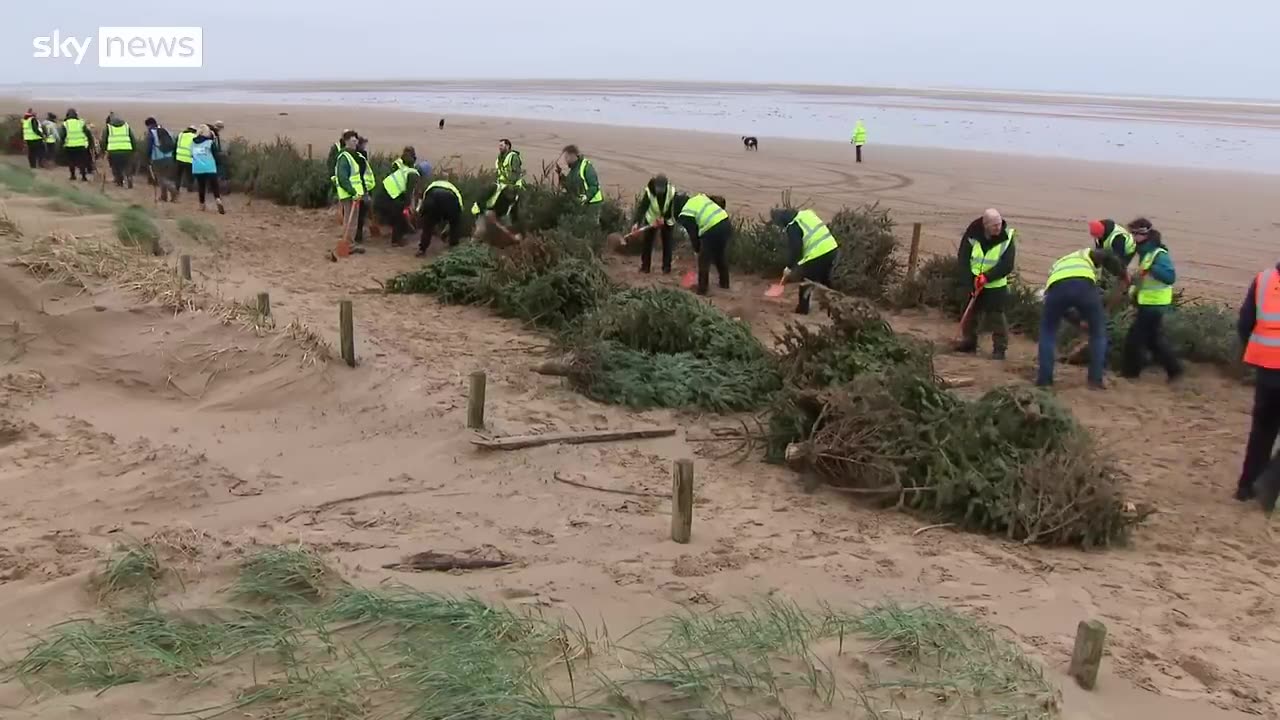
(346, 333)
(264, 304)
(475, 401)
(913, 258)
(515, 442)
(308, 151)
(1091, 638)
(184, 262)
(682, 500)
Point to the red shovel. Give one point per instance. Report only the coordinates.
(689, 279)
(964, 319)
(777, 289)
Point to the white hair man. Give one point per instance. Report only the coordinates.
(987, 254)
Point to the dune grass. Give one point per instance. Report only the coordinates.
(135, 228)
(24, 180)
(338, 651)
(197, 230)
(129, 568)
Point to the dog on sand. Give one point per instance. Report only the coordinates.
(749, 142)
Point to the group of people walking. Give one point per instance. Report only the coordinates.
(194, 157)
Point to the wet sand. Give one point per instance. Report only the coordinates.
(1220, 225)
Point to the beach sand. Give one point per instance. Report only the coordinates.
(1221, 226)
(126, 421)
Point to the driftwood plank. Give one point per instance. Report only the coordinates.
(515, 442)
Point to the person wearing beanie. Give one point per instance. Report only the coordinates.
(811, 251)
(987, 255)
(77, 143)
(653, 208)
(1115, 238)
(1153, 295)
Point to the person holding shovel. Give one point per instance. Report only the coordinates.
(709, 230)
(392, 198)
(987, 255)
(441, 204)
(1153, 295)
(654, 209)
(349, 177)
(498, 211)
(811, 251)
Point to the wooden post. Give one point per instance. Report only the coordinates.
(475, 401)
(184, 264)
(264, 304)
(346, 333)
(308, 151)
(682, 500)
(913, 258)
(1091, 637)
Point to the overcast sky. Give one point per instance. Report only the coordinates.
(1161, 47)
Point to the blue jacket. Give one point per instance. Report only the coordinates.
(153, 146)
(1162, 269)
(203, 156)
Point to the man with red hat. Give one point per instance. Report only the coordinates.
(33, 136)
(1111, 235)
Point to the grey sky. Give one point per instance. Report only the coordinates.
(1165, 47)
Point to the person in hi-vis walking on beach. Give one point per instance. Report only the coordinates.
(859, 138)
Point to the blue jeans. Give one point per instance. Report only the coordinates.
(1062, 296)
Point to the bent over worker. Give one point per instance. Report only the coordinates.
(441, 204)
(987, 254)
(654, 208)
(500, 205)
(709, 230)
(1259, 330)
(1073, 285)
(392, 198)
(1153, 294)
(1116, 239)
(811, 251)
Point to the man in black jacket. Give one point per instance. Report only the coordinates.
(987, 254)
(655, 204)
(1260, 474)
(811, 251)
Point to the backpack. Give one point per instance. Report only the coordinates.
(165, 141)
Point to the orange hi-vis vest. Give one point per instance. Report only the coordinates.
(1263, 349)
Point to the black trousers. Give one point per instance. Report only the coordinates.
(35, 150)
(1147, 334)
(391, 212)
(650, 236)
(79, 159)
(181, 176)
(816, 270)
(438, 207)
(857, 149)
(713, 249)
(988, 312)
(1263, 429)
(207, 181)
(120, 161)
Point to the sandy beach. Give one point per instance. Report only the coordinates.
(1221, 225)
(128, 421)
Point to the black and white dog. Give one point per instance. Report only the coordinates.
(749, 142)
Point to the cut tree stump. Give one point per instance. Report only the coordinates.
(516, 442)
(431, 561)
(1086, 658)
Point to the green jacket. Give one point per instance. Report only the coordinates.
(572, 182)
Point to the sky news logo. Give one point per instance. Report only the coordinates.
(128, 47)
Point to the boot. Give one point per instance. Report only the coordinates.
(221, 210)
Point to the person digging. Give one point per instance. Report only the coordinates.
(987, 254)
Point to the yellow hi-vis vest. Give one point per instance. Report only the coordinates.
(369, 179)
(77, 136)
(182, 151)
(489, 202)
(118, 138)
(1078, 264)
(705, 213)
(505, 168)
(447, 186)
(859, 134)
(817, 240)
(583, 164)
(397, 181)
(981, 263)
(658, 209)
(356, 180)
(1130, 245)
(1151, 291)
(29, 133)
